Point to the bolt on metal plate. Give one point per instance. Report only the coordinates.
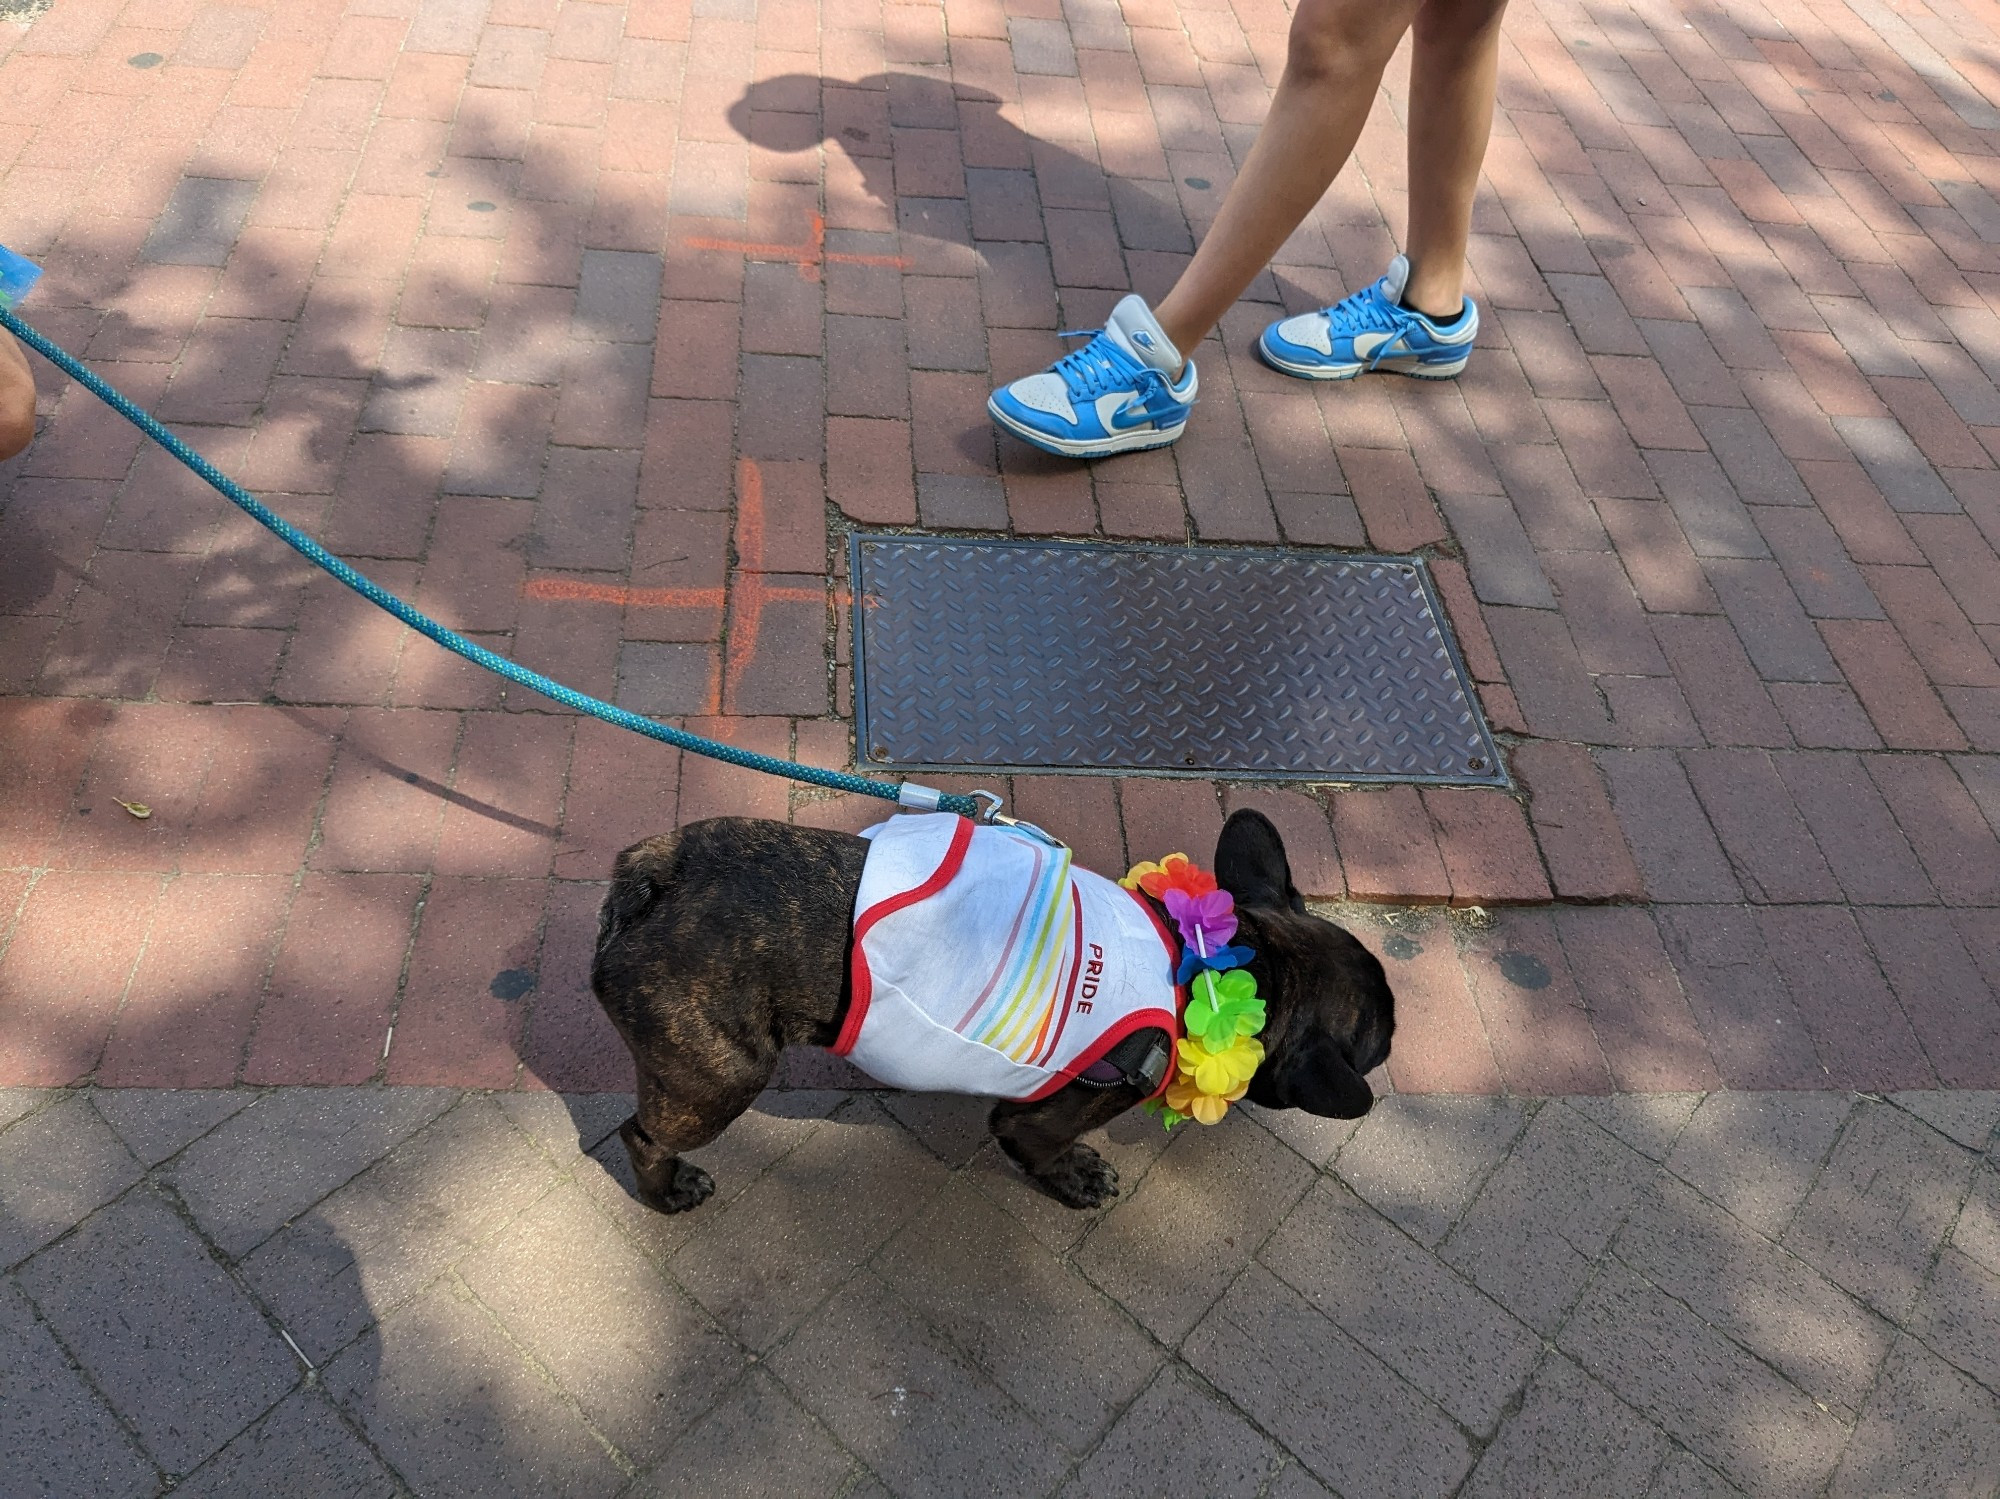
(1232, 662)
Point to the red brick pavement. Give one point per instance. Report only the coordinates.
(593, 327)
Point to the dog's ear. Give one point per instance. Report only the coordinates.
(1250, 862)
(1315, 1077)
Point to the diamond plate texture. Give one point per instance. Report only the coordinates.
(1207, 661)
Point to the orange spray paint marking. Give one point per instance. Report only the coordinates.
(808, 257)
(746, 617)
(576, 590)
(745, 598)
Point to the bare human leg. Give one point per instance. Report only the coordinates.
(1132, 386)
(1454, 74)
(1334, 64)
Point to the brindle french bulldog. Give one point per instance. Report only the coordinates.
(723, 943)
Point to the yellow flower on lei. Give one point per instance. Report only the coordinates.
(1147, 866)
(1219, 1069)
(1209, 1081)
(1204, 1108)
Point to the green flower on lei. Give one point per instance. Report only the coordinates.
(1223, 1006)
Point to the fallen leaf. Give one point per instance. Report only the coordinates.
(138, 809)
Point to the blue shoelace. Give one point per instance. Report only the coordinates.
(1355, 313)
(1100, 366)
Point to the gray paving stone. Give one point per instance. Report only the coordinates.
(1709, 1394)
(1133, 1143)
(379, 1239)
(753, 1141)
(1419, 1158)
(1531, 1236)
(286, 1151)
(1348, 1417)
(1756, 1153)
(57, 1166)
(1295, 1482)
(635, 1353)
(1648, 1122)
(58, 1436)
(910, 1405)
(1959, 1316)
(1978, 1230)
(764, 1262)
(156, 1123)
(1167, 1251)
(161, 1329)
(1765, 1298)
(1880, 1208)
(18, 1103)
(1969, 1116)
(1403, 1306)
(1176, 1438)
(1045, 1335)
(1318, 1140)
(754, 1444)
(300, 1450)
(567, 1126)
(949, 1125)
(1685, 1476)
(1571, 1439)
(445, 1397)
(1928, 1433)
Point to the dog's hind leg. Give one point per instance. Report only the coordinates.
(670, 1119)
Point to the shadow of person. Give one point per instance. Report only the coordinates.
(975, 189)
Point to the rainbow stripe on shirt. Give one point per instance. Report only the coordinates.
(1036, 967)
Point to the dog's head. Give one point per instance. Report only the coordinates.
(1329, 1012)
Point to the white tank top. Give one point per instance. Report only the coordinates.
(986, 963)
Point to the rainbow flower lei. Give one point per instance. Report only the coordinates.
(1218, 1055)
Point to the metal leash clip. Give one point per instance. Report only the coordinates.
(994, 816)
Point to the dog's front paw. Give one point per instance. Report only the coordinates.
(1080, 1178)
(688, 1187)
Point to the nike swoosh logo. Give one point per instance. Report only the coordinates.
(1138, 414)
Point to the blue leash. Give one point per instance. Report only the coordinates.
(907, 793)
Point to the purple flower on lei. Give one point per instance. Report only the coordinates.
(1213, 914)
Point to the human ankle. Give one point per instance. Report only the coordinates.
(1442, 319)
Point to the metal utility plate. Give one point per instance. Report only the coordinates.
(1023, 656)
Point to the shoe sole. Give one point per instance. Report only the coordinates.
(1349, 371)
(1108, 447)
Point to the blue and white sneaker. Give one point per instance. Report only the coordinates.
(1371, 330)
(1128, 388)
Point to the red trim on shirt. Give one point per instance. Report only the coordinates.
(1138, 1020)
(1180, 990)
(863, 981)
